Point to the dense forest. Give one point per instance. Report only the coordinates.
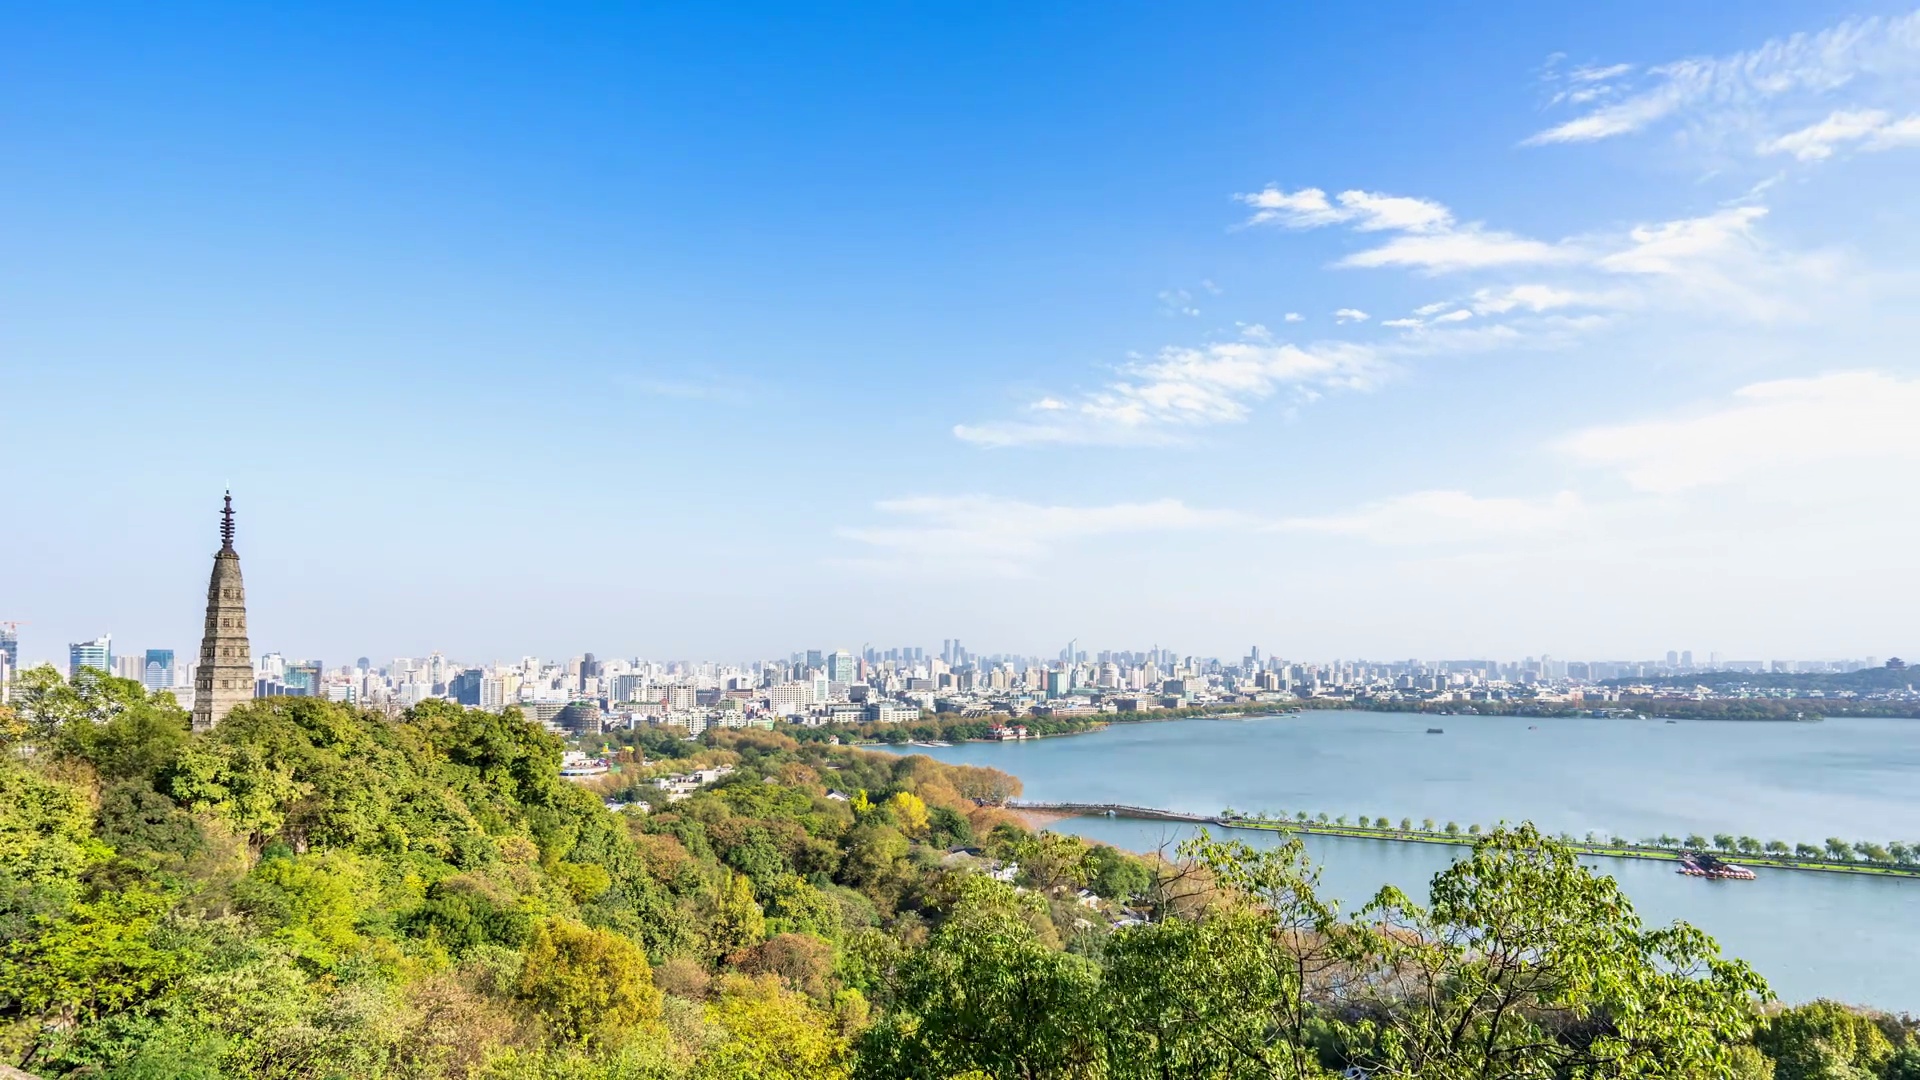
(311, 891)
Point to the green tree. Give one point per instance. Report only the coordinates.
(1529, 964)
(1778, 847)
(1872, 852)
(1220, 993)
(1807, 851)
(592, 986)
(1116, 875)
(312, 902)
(1453, 828)
(96, 957)
(1426, 824)
(1839, 850)
(1406, 824)
(1723, 842)
(1748, 845)
(1821, 1040)
(954, 1000)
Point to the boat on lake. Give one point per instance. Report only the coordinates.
(1436, 731)
(1695, 864)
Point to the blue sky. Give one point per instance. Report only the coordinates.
(726, 332)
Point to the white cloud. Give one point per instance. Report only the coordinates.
(1186, 387)
(1733, 92)
(1404, 324)
(1432, 309)
(1294, 316)
(1817, 141)
(1430, 239)
(1534, 298)
(1367, 211)
(1899, 133)
(1587, 74)
(1467, 248)
(1350, 315)
(1427, 517)
(982, 535)
(1874, 129)
(1669, 247)
(1863, 417)
(1460, 315)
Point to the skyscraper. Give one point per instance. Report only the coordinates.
(225, 675)
(96, 654)
(157, 673)
(9, 647)
(840, 667)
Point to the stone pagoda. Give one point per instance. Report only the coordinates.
(225, 676)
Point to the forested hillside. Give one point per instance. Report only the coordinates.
(310, 891)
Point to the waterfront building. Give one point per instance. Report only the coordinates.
(224, 677)
(96, 654)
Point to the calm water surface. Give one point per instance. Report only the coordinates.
(1812, 935)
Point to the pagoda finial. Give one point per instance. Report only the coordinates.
(226, 524)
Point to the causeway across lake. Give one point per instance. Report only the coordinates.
(1850, 937)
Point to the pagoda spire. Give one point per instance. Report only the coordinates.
(224, 677)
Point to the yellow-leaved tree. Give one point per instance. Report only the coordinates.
(910, 813)
(591, 985)
(772, 1033)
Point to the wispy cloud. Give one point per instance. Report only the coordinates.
(1768, 427)
(1870, 129)
(1182, 388)
(1445, 516)
(1178, 302)
(987, 536)
(1350, 315)
(1717, 95)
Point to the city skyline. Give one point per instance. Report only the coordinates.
(896, 324)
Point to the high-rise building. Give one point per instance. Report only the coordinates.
(224, 678)
(9, 647)
(157, 673)
(840, 667)
(304, 678)
(464, 688)
(96, 654)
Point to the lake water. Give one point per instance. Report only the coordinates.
(1811, 935)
